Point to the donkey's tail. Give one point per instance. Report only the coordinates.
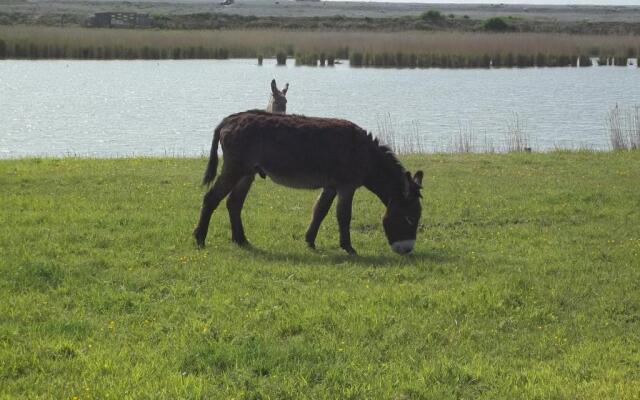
(212, 166)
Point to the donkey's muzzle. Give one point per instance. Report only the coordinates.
(403, 246)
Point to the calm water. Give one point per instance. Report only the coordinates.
(120, 108)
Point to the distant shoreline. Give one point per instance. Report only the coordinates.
(304, 29)
(355, 9)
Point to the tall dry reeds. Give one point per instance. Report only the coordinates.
(409, 49)
(440, 60)
(624, 128)
(411, 140)
(465, 140)
(517, 137)
(401, 141)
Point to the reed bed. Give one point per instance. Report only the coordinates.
(308, 59)
(315, 59)
(412, 140)
(624, 128)
(435, 60)
(465, 140)
(281, 58)
(399, 140)
(517, 136)
(385, 49)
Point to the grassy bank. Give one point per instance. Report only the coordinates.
(524, 284)
(444, 49)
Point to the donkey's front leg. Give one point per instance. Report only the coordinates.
(320, 210)
(345, 199)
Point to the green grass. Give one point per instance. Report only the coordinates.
(525, 283)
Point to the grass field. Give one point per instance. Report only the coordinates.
(525, 283)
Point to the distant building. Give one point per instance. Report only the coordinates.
(119, 20)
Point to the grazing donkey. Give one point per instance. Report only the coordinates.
(278, 101)
(310, 153)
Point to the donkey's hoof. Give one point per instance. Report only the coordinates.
(241, 242)
(350, 250)
(199, 238)
(311, 245)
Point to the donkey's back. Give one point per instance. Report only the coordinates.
(294, 150)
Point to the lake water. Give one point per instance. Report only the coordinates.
(122, 108)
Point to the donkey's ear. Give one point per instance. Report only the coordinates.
(274, 88)
(417, 178)
(406, 190)
(286, 87)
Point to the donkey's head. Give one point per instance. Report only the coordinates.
(401, 219)
(278, 101)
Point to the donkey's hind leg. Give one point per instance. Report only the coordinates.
(345, 200)
(320, 210)
(235, 201)
(221, 188)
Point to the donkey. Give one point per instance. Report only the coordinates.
(310, 153)
(278, 100)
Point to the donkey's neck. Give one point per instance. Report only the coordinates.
(379, 190)
(385, 178)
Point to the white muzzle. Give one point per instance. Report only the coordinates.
(403, 246)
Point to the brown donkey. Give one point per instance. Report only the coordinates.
(310, 153)
(278, 100)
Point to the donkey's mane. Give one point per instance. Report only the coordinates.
(386, 158)
(385, 155)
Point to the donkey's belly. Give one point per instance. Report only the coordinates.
(300, 181)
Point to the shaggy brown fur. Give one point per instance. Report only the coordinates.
(309, 153)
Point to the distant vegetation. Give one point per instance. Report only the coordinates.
(429, 20)
(496, 24)
(497, 60)
(281, 57)
(431, 15)
(377, 49)
(429, 39)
